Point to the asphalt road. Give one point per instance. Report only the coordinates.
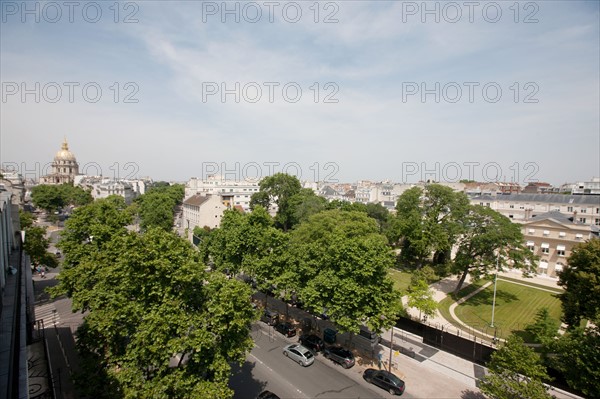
(267, 368)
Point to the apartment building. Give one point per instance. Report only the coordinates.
(202, 211)
(552, 236)
(521, 208)
(235, 192)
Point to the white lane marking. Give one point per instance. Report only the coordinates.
(283, 379)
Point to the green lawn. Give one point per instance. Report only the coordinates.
(401, 280)
(516, 307)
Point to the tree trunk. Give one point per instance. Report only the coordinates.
(461, 281)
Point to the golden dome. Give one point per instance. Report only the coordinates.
(64, 154)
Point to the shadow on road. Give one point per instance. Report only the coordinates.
(246, 386)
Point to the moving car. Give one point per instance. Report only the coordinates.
(340, 356)
(286, 329)
(300, 354)
(312, 342)
(386, 380)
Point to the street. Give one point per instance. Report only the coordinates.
(267, 368)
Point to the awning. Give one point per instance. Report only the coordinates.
(530, 243)
(545, 245)
(543, 265)
(558, 267)
(560, 247)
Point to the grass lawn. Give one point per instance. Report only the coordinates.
(516, 307)
(401, 280)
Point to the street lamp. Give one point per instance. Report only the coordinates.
(495, 284)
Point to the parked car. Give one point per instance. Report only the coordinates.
(300, 354)
(286, 329)
(312, 342)
(386, 380)
(271, 317)
(340, 356)
(267, 395)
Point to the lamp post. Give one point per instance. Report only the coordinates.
(495, 284)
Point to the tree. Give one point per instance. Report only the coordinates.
(515, 372)
(248, 243)
(428, 221)
(158, 326)
(36, 245)
(278, 189)
(86, 232)
(577, 354)
(489, 239)
(52, 198)
(303, 205)
(48, 197)
(338, 260)
(581, 282)
(26, 219)
(544, 328)
(421, 297)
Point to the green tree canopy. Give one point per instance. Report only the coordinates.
(429, 221)
(86, 232)
(278, 189)
(577, 353)
(158, 326)
(421, 297)
(485, 234)
(156, 208)
(339, 261)
(515, 372)
(581, 281)
(36, 245)
(51, 198)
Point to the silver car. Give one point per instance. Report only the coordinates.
(300, 354)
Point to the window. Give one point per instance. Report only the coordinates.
(531, 246)
(510, 216)
(562, 234)
(546, 232)
(597, 210)
(560, 250)
(582, 220)
(579, 236)
(559, 267)
(545, 248)
(597, 222)
(569, 209)
(583, 210)
(531, 231)
(512, 207)
(543, 266)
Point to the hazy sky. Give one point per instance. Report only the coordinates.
(341, 90)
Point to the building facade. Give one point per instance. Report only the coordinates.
(521, 208)
(203, 211)
(234, 192)
(552, 236)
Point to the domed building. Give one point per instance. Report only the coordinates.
(64, 167)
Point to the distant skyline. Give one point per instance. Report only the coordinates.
(346, 90)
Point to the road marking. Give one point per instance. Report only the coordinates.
(282, 379)
(48, 314)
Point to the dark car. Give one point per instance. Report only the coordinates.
(339, 355)
(386, 380)
(312, 342)
(267, 395)
(286, 329)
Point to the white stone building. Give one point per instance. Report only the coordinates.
(202, 210)
(233, 192)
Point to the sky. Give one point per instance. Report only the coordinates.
(335, 91)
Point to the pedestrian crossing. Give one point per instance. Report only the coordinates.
(47, 313)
